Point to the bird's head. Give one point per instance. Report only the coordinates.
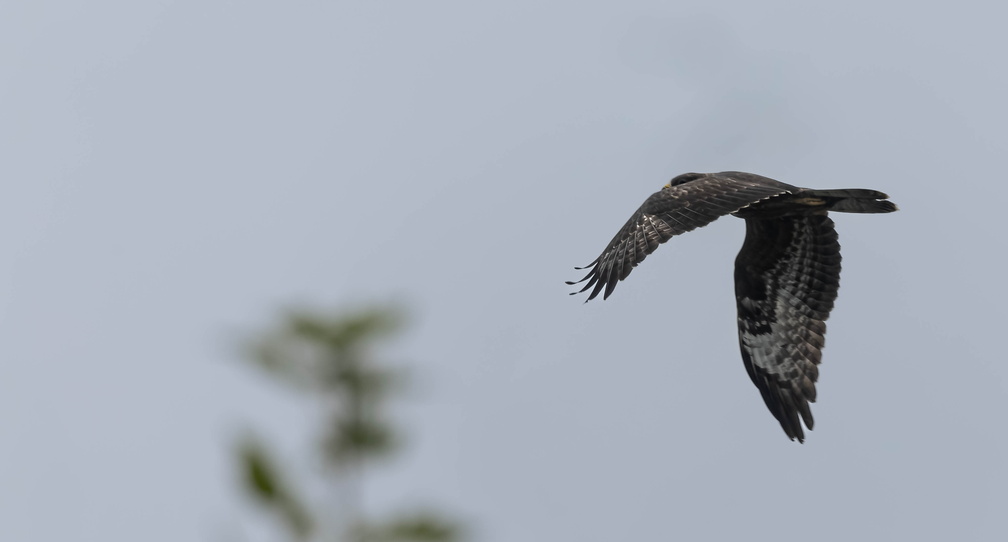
(684, 178)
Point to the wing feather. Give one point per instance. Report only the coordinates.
(688, 202)
(786, 280)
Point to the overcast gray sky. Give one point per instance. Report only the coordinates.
(174, 173)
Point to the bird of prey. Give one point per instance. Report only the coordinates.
(786, 275)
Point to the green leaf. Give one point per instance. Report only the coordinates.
(263, 482)
(419, 527)
(260, 476)
(352, 440)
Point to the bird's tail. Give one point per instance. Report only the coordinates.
(854, 200)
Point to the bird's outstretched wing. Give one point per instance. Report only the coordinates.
(688, 202)
(786, 279)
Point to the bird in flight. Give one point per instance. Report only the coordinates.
(786, 275)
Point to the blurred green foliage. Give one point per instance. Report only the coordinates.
(264, 483)
(420, 526)
(330, 357)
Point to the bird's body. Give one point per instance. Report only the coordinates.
(786, 275)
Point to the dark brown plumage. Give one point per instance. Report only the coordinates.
(786, 275)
